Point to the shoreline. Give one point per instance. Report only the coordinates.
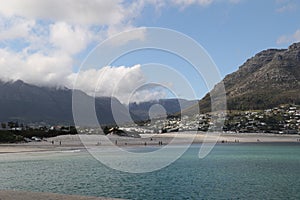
(74, 142)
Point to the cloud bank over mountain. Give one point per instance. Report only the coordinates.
(44, 42)
(40, 41)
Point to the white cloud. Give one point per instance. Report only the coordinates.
(53, 32)
(287, 39)
(126, 36)
(59, 23)
(120, 82)
(104, 81)
(35, 68)
(15, 28)
(148, 95)
(68, 38)
(286, 6)
(42, 39)
(186, 3)
(76, 12)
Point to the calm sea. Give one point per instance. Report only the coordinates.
(230, 171)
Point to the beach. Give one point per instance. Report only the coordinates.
(76, 142)
(260, 170)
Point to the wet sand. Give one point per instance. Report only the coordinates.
(22, 195)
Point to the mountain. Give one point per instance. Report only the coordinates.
(270, 78)
(29, 103)
(23, 102)
(171, 107)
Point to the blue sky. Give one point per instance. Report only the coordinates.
(231, 33)
(45, 42)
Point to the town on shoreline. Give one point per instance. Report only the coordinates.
(284, 119)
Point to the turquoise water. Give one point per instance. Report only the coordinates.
(230, 171)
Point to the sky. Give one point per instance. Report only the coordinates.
(49, 42)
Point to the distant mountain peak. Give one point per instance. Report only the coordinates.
(18, 82)
(294, 46)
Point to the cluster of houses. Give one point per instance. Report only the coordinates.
(284, 119)
(16, 126)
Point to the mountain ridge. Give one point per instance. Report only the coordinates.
(20, 101)
(268, 79)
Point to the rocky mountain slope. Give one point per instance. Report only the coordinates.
(270, 78)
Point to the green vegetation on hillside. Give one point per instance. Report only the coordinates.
(12, 136)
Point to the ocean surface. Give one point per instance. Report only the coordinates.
(230, 171)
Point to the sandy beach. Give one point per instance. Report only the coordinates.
(75, 142)
(60, 146)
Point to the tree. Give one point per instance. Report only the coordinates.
(3, 125)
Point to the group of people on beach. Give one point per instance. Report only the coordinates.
(160, 143)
